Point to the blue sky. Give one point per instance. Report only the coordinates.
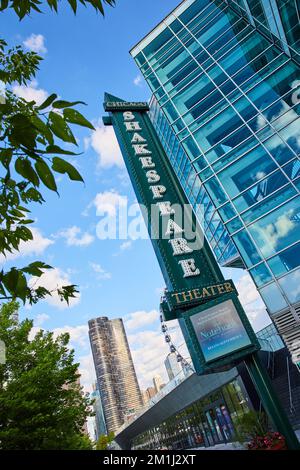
(85, 56)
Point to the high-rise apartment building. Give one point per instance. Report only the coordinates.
(172, 366)
(226, 104)
(118, 386)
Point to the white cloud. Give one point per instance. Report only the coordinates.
(31, 92)
(87, 372)
(36, 43)
(101, 273)
(36, 246)
(40, 319)
(274, 232)
(105, 144)
(247, 290)
(149, 351)
(138, 81)
(126, 245)
(108, 202)
(74, 237)
(78, 334)
(252, 302)
(52, 280)
(140, 319)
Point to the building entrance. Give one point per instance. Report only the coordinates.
(218, 427)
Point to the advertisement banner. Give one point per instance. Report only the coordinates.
(220, 331)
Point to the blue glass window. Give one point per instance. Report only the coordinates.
(227, 212)
(286, 260)
(234, 225)
(215, 191)
(277, 230)
(246, 171)
(269, 203)
(247, 249)
(260, 191)
(261, 274)
(277, 148)
(292, 169)
(290, 284)
(273, 298)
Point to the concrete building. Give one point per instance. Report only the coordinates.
(173, 367)
(225, 79)
(158, 383)
(118, 386)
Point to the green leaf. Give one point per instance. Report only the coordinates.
(42, 127)
(45, 175)
(22, 131)
(24, 168)
(73, 116)
(48, 101)
(6, 156)
(21, 287)
(10, 279)
(52, 4)
(66, 104)
(56, 149)
(33, 195)
(62, 166)
(3, 5)
(73, 4)
(36, 268)
(24, 233)
(60, 128)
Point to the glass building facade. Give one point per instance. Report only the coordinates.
(270, 339)
(204, 423)
(279, 20)
(226, 104)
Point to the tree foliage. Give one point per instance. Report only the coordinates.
(42, 406)
(31, 151)
(25, 7)
(104, 441)
(250, 425)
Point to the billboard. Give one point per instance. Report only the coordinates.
(220, 331)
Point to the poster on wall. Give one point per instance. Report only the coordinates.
(220, 331)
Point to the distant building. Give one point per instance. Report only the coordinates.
(145, 397)
(172, 366)
(118, 386)
(67, 386)
(149, 393)
(100, 426)
(158, 383)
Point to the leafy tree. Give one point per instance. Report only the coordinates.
(104, 441)
(31, 136)
(25, 7)
(250, 425)
(41, 403)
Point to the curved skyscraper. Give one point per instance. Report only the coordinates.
(117, 382)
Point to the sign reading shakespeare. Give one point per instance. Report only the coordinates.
(192, 276)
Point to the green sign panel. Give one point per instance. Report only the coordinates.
(213, 322)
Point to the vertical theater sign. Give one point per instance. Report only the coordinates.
(215, 327)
